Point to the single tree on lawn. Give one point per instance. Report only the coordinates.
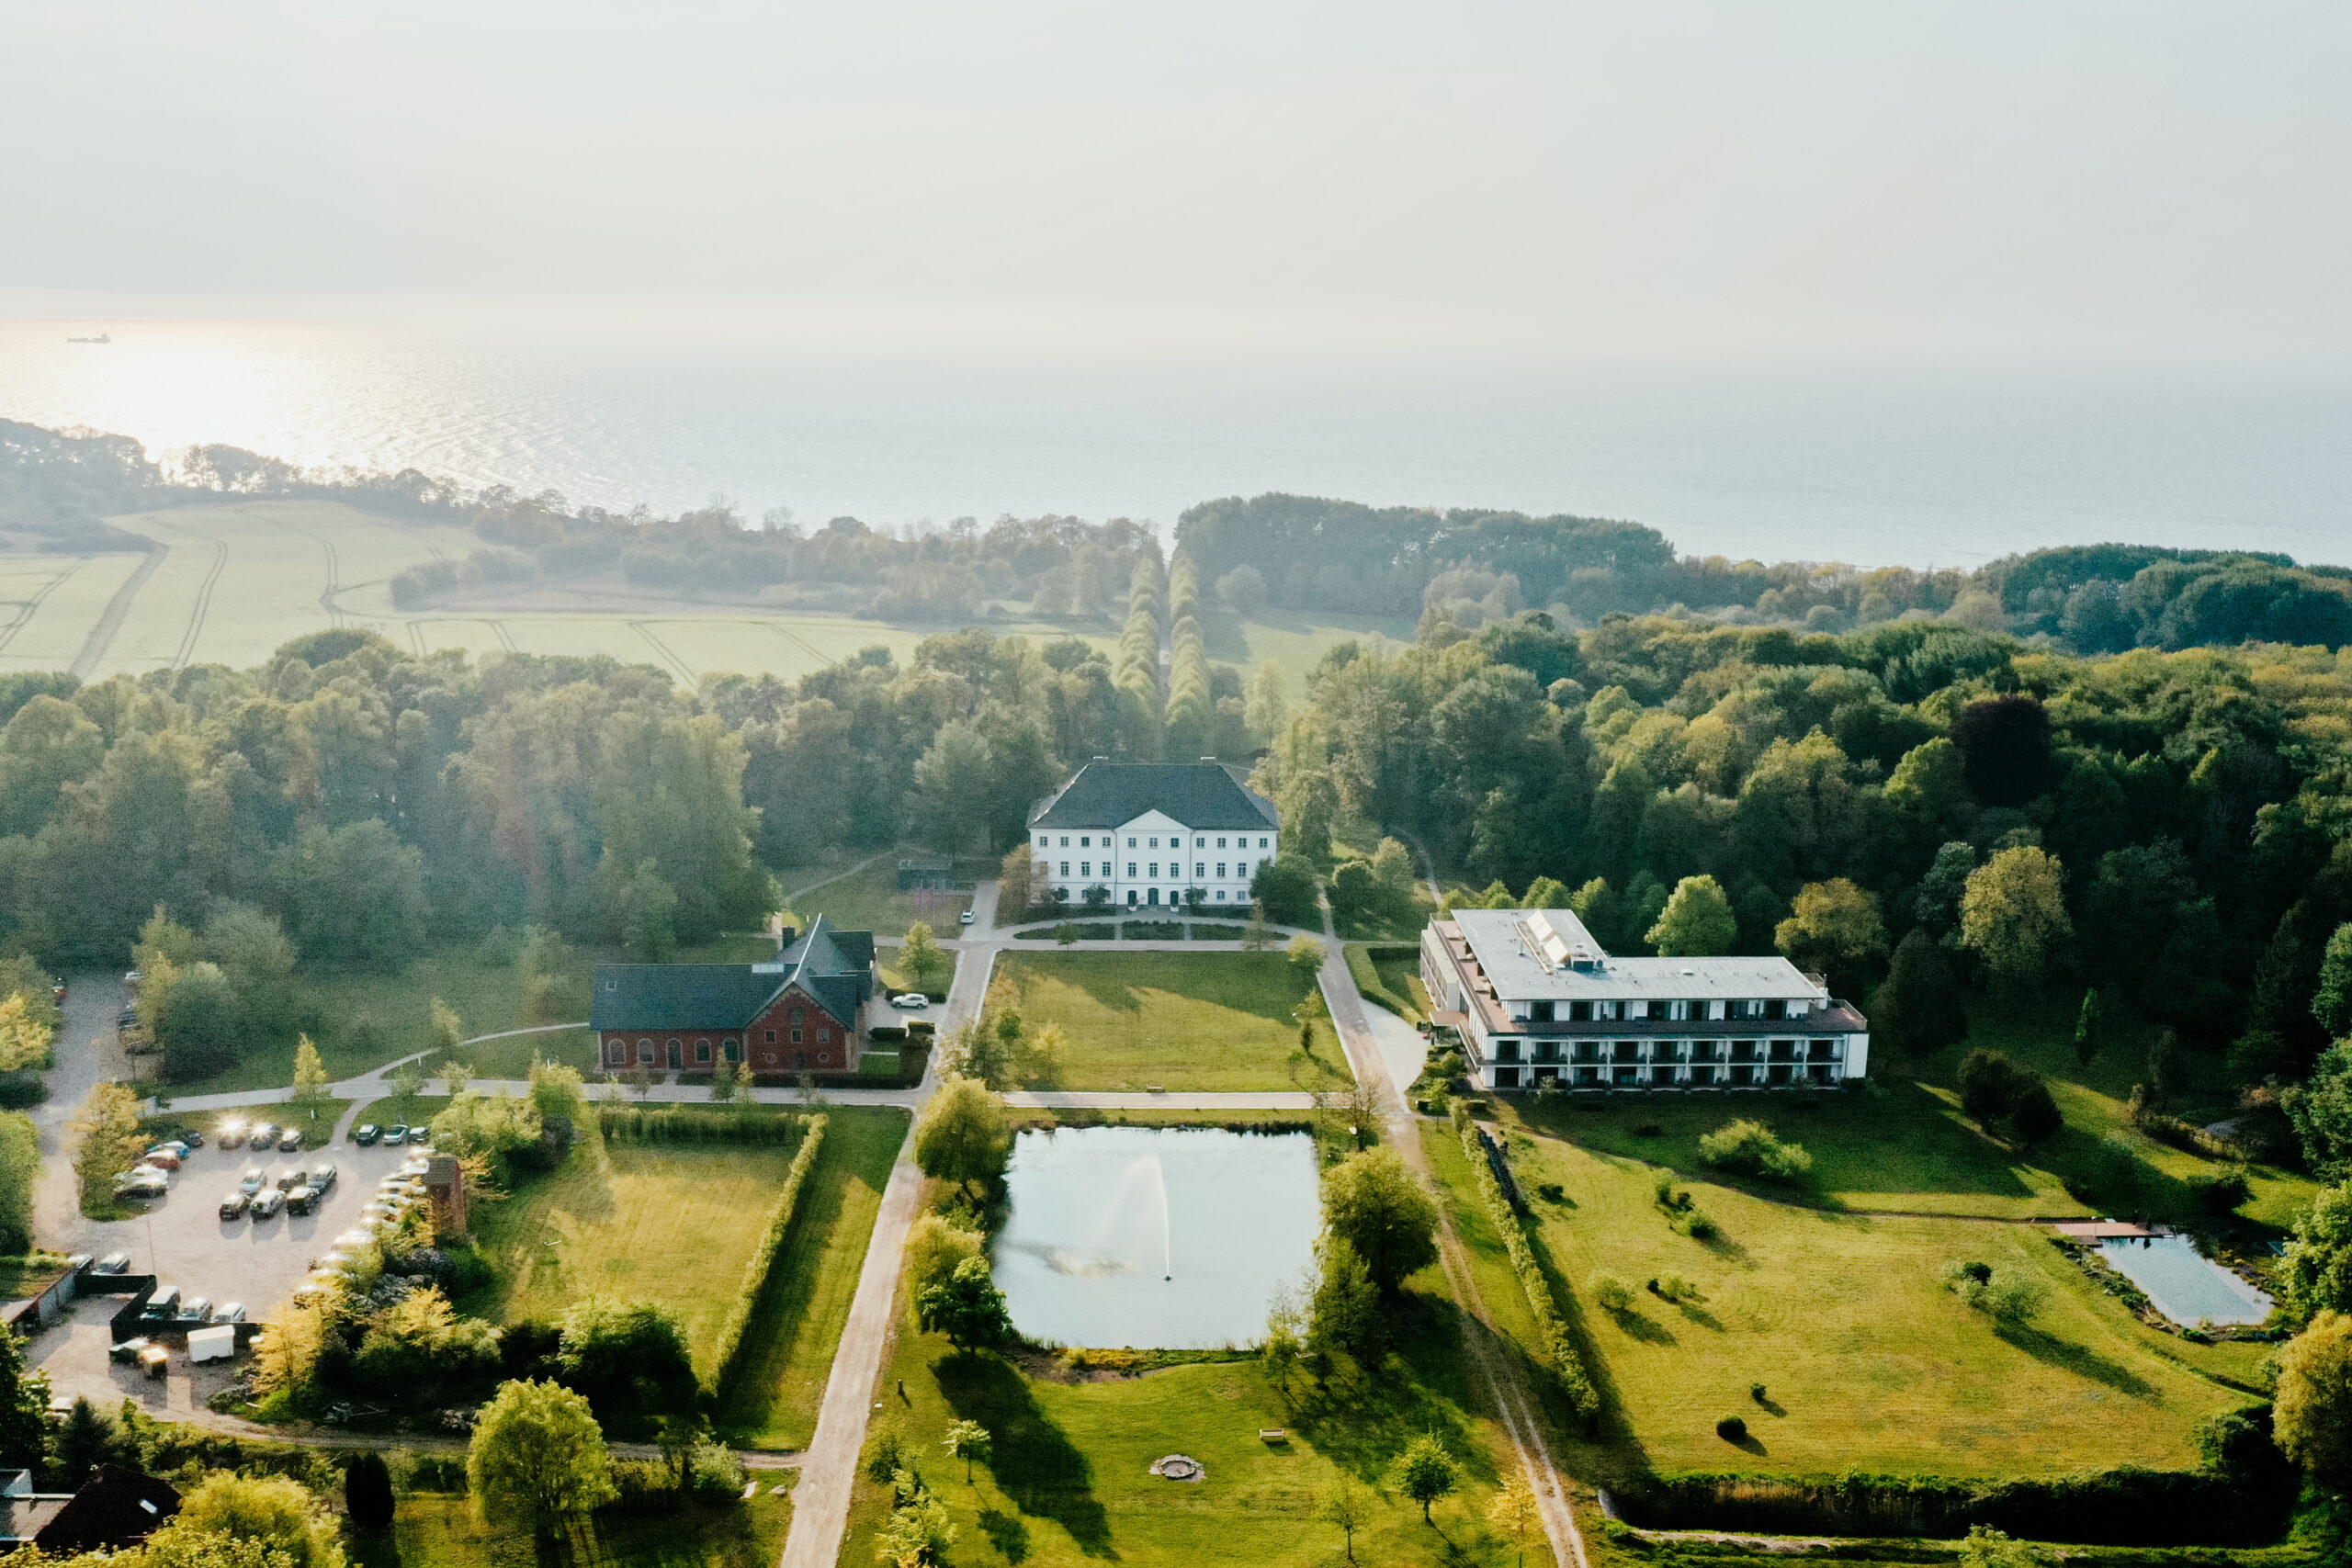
(1425, 1471)
(311, 1091)
(920, 955)
(24, 1039)
(967, 1308)
(408, 1078)
(723, 1083)
(1346, 1509)
(2013, 915)
(537, 1454)
(1513, 1512)
(965, 1137)
(107, 1141)
(447, 1030)
(1285, 1337)
(967, 1440)
(1305, 954)
(1067, 933)
(1372, 1203)
(1346, 1302)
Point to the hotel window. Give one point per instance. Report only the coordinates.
(1261, 843)
(1220, 843)
(796, 1037)
(1064, 840)
(1200, 868)
(1086, 868)
(1131, 865)
(1131, 843)
(1083, 843)
(1155, 844)
(1154, 868)
(824, 1036)
(1220, 895)
(1200, 843)
(702, 1050)
(1065, 870)
(1220, 874)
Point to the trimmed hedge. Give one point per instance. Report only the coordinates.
(1361, 956)
(2125, 1506)
(1561, 1350)
(1087, 931)
(632, 1124)
(755, 1272)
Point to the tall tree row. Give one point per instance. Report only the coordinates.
(1138, 664)
(1192, 709)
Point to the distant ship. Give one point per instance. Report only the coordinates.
(102, 337)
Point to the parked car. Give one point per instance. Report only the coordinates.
(301, 1198)
(334, 1261)
(232, 1134)
(234, 1205)
(129, 1350)
(268, 1202)
(288, 1179)
(145, 1182)
(419, 1135)
(322, 1176)
(199, 1310)
(911, 1000)
(192, 1138)
(127, 1018)
(57, 992)
(260, 1135)
(355, 1238)
(289, 1140)
(112, 1263)
(165, 1158)
(965, 918)
(366, 1133)
(131, 977)
(396, 1134)
(161, 1306)
(381, 1210)
(252, 1182)
(228, 1311)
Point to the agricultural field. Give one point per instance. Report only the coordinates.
(665, 1223)
(1068, 1481)
(771, 1400)
(1186, 1021)
(286, 568)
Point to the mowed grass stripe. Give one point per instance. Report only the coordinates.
(1200, 1022)
(771, 1400)
(670, 1223)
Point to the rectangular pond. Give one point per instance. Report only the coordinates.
(2186, 1286)
(1155, 1238)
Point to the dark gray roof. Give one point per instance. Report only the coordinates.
(832, 965)
(114, 1508)
(1198, 795)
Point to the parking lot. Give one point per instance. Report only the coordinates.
(182, 1239)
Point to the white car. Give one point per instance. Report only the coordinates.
(965, 918)
(912, 1000)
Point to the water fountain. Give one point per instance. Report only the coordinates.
(1092, 1208)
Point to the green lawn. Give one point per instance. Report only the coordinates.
(1203, 1022)
(440, 1530)
(771, 1400)
(867, 901)
(1294, 640)
(1869, 1361)
(1393, 982)
(1068, 1480)
(662, 1222)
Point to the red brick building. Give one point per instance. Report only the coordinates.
(806, 1010)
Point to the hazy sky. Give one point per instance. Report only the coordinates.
(2143, 180)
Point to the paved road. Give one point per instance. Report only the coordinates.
(87, 1052)
(820, 1502)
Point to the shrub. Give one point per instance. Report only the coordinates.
(1732, 1429)
(1612, 1293)
(2221, 1192)
(1750, 1148)
(755, 1271)
(1702, 1228)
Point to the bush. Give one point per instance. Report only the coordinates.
(1732, 1429)
(1702, 1228)
(2221, 1192)
(1612, 1293)
(755, 1272)
(1750, 1149)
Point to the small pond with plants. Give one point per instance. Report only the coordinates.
(2185, 1285)
(1155, 1238)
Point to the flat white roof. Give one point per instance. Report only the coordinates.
(1547, 955)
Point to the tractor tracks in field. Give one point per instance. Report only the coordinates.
(102, 636)
(29, 607)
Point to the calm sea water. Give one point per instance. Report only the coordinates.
(1872, 466)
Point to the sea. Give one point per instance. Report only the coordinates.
(1871, 462)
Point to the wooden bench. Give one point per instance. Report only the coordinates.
(1273, 1434)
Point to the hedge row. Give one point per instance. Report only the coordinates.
(755, 1272)
(632, 1124)
(1361, 956)
(1567, 1365)
(2125, 1506)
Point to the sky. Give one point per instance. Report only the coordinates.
(2152, 181)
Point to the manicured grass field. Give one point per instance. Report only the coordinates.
(1068, 1480)
(1869, 1361)
(771, 1402)
(1205, 1021)
(867, 900)
(1394, 983)
(667, 1223)
(438, 1530)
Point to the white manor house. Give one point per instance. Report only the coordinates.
(1534, 998)
(1152, 833)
